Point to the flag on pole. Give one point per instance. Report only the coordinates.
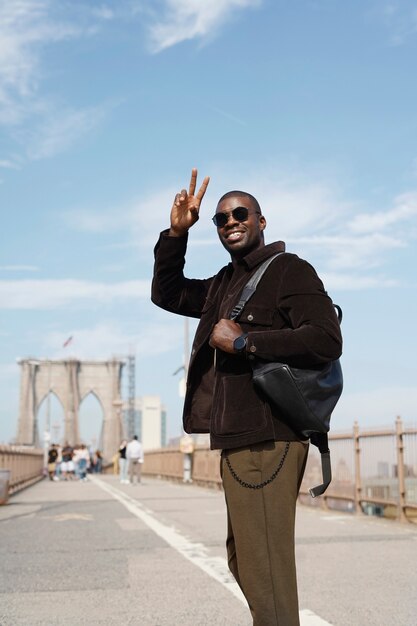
(67, 342)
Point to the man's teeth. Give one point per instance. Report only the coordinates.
(234, 235)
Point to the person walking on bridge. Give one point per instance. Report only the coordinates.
(134, 455)
(289, 318)
(123, 462)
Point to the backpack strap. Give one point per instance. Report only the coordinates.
(339, 312)
(250, 287)
(321, 440)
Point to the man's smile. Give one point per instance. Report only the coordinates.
(234, 235)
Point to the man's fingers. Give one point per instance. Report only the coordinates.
(193, 181)
(203, 188)
(180, 197)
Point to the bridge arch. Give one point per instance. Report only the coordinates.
(50, 413)
(91, 419)
(71, 380)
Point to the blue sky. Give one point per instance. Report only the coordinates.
(106, 107)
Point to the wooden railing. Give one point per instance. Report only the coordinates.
(374, 471)
(24, 464)
(168, 463)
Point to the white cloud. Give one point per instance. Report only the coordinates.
(60, 130)
(25, 26)
(294, 207)
(297, 206)
(187, 19)
(107, 339)
(355, 282)
(314, 218)
(405, 208)
(19, 268)
(351, 252)
(104, 12)
(52, 294)
(106, 221)
(7, 164)
(400, 20)
(141, 219)
(349, 243)
(40, 124)
(151, 214)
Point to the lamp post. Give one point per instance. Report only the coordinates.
(118, 405)
(186, 441)
(46, 442)
(33, 365)
(48, 401)
(186, 360)
(47, 432)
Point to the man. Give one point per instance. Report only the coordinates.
(187, 449)
(122, 462)
(81, 461)
(134, 456)
(289, 318)
(67, 465)
(52, 457)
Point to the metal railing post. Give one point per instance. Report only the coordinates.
(358, 482)
(400, 470)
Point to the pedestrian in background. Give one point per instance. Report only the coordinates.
(82, 461)
(52, 457)
(58, 463)
(123, 463)
(134, 455)
(97, 462)
(187, 449)
(67, 465)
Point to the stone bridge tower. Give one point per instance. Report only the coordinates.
(71, 380)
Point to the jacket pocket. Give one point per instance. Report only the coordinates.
(255, 315)
(237, 408)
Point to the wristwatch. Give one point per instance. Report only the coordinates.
(239, 344)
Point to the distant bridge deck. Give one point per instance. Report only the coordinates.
(153, 555)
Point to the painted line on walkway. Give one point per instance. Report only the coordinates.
(196, 553)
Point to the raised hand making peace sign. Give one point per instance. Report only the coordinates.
(186, 207)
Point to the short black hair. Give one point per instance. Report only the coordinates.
(242, 194)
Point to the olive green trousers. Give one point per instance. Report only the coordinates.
(260, 535)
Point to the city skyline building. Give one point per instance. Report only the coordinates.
(150, 421)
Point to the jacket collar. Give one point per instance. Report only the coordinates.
(258, 256)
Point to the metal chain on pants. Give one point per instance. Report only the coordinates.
(264, 482)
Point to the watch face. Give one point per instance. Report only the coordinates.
(239, 343)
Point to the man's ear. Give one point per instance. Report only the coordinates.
(262, 222)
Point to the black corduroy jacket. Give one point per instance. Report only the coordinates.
(289, 318)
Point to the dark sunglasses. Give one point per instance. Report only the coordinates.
(240, 214)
